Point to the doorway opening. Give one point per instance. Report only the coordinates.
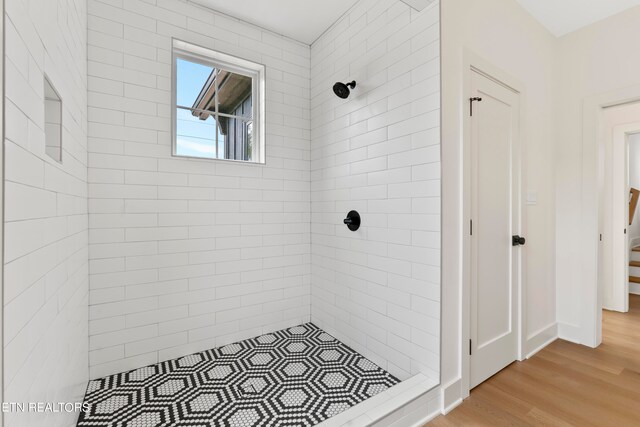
(619, 248)
(633, 152)
(618, 253)
(593, 229)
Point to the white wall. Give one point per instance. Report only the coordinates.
(46, 277)
(592, 61)
(378, 289)
(634, 180)
(559, 75)
(187, 255)
(503, 34)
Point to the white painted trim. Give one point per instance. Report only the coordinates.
(452, 406)
(472, 61)
(634, 288)
(541, 338)
(618, 214)
(589, 331)
(569, 332)
(450, 395)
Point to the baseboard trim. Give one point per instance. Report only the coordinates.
(634, 288)
(541, 338)
(569, 333)
(451, 395)
(452, 406)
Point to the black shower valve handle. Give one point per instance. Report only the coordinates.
(352, 221)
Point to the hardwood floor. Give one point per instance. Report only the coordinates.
(564, 384)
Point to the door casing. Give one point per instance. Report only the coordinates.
(589, 329)
(613, 252)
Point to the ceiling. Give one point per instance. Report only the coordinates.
(302, 20)
(306, 20)
(564, 16)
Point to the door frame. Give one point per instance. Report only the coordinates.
(474, 63)
(589, 332)
(617, 136)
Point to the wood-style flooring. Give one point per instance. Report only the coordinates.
(564, 384)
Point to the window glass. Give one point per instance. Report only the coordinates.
(215, 109)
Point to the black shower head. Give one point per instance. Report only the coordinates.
(342, 89)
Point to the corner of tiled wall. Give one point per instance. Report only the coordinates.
(185, 254)
(46, 226)
(378, 289)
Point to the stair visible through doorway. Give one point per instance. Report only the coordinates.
(634, 270)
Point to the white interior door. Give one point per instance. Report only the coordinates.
(495, 215)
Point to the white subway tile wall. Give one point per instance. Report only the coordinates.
(46, 231)
(378, 289)
(187, 255)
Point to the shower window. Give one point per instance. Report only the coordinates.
(218, 105)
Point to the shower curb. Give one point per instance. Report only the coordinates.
(389, 404)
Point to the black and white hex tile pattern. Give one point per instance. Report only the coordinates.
(295, 377)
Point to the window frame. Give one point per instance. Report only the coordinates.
(211, 58)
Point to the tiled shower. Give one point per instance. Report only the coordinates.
(123, 258)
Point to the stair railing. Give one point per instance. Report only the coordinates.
(634, 195)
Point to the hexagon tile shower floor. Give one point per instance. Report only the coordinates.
(295, 377)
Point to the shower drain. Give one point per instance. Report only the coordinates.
(248, 390)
